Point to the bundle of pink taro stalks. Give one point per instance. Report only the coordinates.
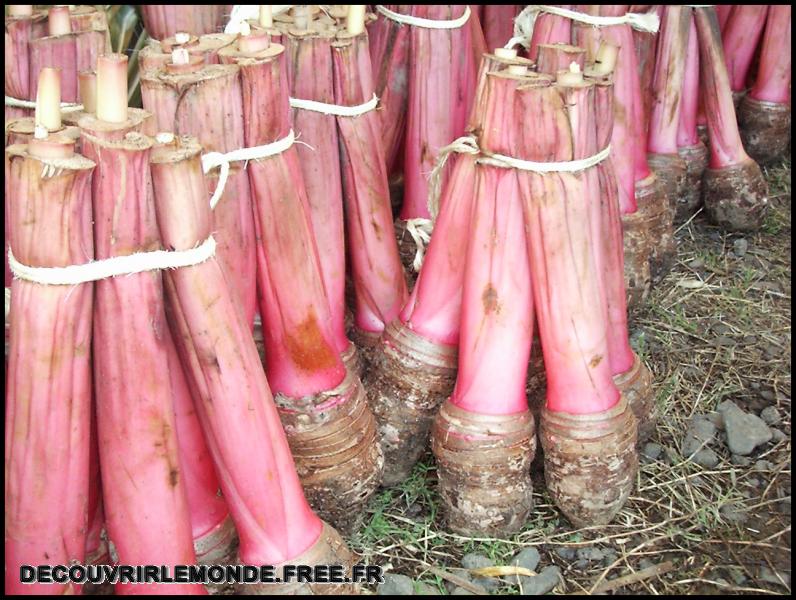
(162, 21)
(647, 230)
(483, 436)
(64, 37)
(322, 404)
(163, 503)
(425, 79)
(413, 367)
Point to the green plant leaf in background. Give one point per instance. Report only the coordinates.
(127, 36)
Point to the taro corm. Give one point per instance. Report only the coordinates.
(484, 436)
(733, 189)
(587, 429)
(667, 86)
(765, 111)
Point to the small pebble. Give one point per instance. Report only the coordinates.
(739, 247)
(610, 556)
(738, 577)
(396, 584)
(527, 559)
(753, 481)
(582, 564)
(778, 578)
(479, 561)
(734, 513)
(706, 458)
(750, 339)
(460, 591)
(645, 563)
(778, 435)
(696, 263)
(699, 433)
(721, 329)
(740, 461)
(770, 415)
(763, 465)
(745, 431)
(724, 340)
(543, 583)
(652, 451)
(566, 553)
(590, 553)
(424, 589)
(768, 394)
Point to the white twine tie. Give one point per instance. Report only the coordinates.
(425, 23)
(65, 106)
(525, 21)
(211, 160)
(97, 270)
(335, 109)
(569, 166)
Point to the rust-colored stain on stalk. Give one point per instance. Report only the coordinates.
(307, 347)
(490, 299)
(596, 360)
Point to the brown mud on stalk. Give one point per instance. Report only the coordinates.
(308, 348)
(484, 463)
(736, 196)
(636, 386)
(408, 379)
(590, 462)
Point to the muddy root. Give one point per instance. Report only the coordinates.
(659, 216)
(696, 161)
(330, 549)
(332, 436)
(736, 197)
(637, 259)
(765, 129)
(483, 466)
(636, 386)
(409, 377)
(591, 462)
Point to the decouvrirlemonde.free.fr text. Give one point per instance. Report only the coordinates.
(204, 574)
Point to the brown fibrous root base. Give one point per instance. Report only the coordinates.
(736, 197)
(408, 378)
(337, 454)
(636, 386)
(330, 549)
(765, 128)
(637, 259)
(659, 216)
(696, 161)
(591, 462)
(483, 466)
(672, 174)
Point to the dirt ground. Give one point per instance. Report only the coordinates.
(717, 328)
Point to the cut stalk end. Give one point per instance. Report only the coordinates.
(355, 20)
(20, 10)
(112, 88)
(506, 53)
(253, 42)
(266, 19)
(87, 87)
(52, 146)
(48, 99)
(571, 77)
(58, 21)
(605, 61)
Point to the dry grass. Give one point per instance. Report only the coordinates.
(717, 328)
